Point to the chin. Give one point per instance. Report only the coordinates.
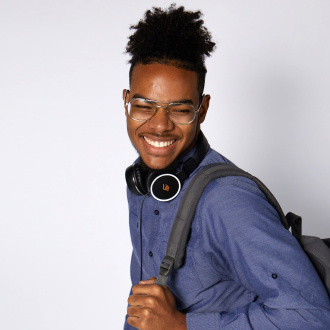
(157, 165)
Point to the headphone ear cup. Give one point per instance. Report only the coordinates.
(135, 179)
(163, 186)
(140, 179)
(150, 178)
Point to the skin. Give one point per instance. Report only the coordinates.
(164, 83)
(152, 307)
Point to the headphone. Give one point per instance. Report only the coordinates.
(164, 186)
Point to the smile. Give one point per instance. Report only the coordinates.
(158, 144)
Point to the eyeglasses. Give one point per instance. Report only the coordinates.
(141, 109)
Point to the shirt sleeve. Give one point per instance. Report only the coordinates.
(135, 280)
(245, 237)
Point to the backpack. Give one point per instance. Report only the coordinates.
(318, 250)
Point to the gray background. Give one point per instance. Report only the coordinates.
(64, 238)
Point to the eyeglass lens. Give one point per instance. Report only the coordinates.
(140, 109)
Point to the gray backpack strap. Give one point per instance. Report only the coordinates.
(317, 249)
(178, 238)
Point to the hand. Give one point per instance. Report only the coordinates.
(153, 308)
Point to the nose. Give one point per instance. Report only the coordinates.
(160, 121)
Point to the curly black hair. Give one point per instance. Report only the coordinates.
(174, 36)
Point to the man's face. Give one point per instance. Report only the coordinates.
(164, 83)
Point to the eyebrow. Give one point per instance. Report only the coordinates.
(185, 101)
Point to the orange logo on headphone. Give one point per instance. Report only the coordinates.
(166, 187)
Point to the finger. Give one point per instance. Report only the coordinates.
(134, 311)
(151, 289)
(133, 318)
(135, 300)
(151, 280)
(138, 316)
(142, 301)
(133, 321)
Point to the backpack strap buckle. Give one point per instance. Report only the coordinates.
(165, 270)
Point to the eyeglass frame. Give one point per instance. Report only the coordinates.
(160, 106)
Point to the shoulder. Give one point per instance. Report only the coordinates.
(214, 157)
(233, 196)
(235, 206)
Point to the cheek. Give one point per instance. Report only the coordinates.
(190, 132)
(132, 128)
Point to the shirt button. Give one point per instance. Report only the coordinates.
(156, 212)
(274, 276)
(150, 254)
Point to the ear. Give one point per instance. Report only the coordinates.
(125, 97)
(125, 91)
(204, 108)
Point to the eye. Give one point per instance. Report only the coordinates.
(141, 105)
(180, 109)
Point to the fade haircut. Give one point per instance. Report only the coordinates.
(173, 37)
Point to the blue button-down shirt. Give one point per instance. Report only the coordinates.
(242, 270)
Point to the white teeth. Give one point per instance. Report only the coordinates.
(159, 144)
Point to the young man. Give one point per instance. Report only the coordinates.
(242, 268)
